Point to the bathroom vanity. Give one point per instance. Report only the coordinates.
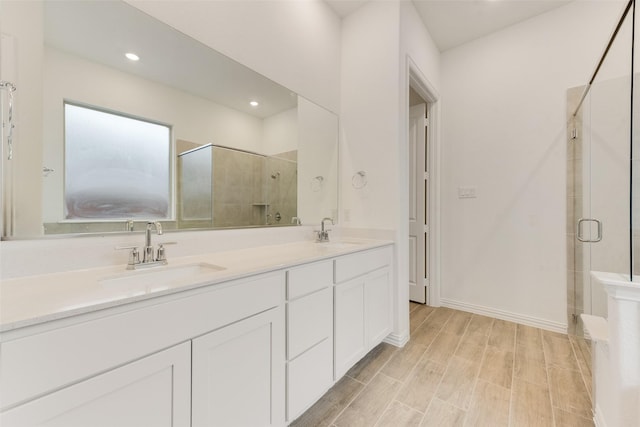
(254, 341)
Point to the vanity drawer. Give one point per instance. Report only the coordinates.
(309, 278)
(40, 363)
(309, 321)
(354, 265)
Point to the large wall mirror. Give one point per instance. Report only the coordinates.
(177, 133)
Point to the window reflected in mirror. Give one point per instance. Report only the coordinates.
(116, 167)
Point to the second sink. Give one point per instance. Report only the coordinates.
(339, 245)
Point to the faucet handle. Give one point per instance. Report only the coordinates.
(161, 254)
(134, 255)
(322, 236)
(119, 248)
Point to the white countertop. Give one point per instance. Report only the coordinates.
(32, 300)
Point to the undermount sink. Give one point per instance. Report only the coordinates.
(340, 244)
(163, 276)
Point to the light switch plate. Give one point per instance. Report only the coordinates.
(467, 192)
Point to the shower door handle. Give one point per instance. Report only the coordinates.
(579, 230)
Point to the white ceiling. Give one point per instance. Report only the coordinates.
(455, 22)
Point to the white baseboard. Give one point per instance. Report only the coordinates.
(506, 315)
(598, 420)
(398, 340)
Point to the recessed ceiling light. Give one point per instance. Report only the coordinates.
(132, 56)
(254, 103)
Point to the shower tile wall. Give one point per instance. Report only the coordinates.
(245, 189)
(575, 274)
(239, 191)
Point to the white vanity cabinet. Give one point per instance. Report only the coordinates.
(256, 350)
(153, 391)
(135, 365)
(362, 305)
(309, 335)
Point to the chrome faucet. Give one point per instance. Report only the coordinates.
(150, 257)
(323, 234)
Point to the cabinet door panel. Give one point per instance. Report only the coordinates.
(308, 377)
(378, 307)
(238, 373)
(154, 391)
(350, 342)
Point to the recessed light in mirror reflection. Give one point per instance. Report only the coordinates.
(254, 103)
(132, 56)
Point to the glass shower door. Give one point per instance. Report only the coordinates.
(606, 172)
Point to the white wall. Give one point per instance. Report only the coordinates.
(416, 42)
(377, 38)
(294, 43)
(317, 157)
(280, 133)
(504, 132)
(369, 114)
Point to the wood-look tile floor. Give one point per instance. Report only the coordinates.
(462, 369)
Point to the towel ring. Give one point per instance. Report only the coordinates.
(46, 171)
(359, 180)
(316, 183)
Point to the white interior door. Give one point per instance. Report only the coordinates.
(418, 200)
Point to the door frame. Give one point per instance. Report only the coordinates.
(416, 80)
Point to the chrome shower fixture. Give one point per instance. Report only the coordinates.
(11, 88)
